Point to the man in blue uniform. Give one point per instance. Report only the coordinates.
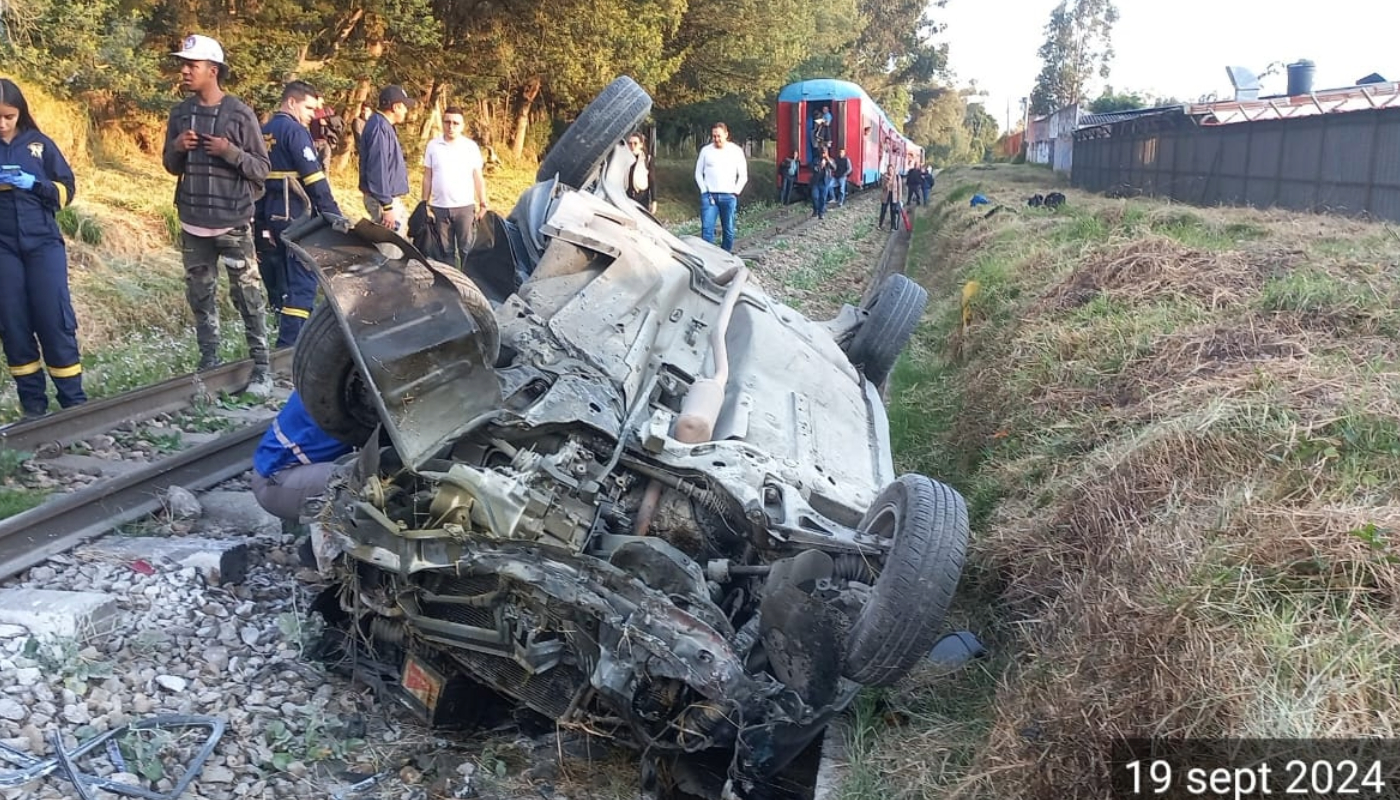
(291, 468)
(293, 461)
(36, 314)
(295, 182)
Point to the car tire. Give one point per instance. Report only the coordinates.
(891, 315)
(928, 523)
(329, 382)
(614, 113)
(331, 388)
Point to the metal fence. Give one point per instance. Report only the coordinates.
(1346, 163)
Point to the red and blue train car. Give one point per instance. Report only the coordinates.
(859, 125)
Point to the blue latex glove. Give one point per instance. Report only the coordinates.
(19, 180)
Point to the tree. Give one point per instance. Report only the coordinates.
(1078, 46)
(951, 130)
(1109, 101)
(895, 53)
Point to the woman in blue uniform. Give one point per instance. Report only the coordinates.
(37, 322)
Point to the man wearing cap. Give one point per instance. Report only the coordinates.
(383, 171)
(214, 147)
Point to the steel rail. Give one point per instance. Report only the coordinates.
(786, 222)
(100, 416)
(66, 520)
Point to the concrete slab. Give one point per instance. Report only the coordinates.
(197, 438)
(49, 613)
(219, 560)
(246, 415)
(235, 512)
(72, 464)
(835, 760)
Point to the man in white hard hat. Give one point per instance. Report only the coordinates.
(215, 148)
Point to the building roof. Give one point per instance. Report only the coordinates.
(1326, 101)
(1110, 117)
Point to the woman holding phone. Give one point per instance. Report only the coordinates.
(37, 321)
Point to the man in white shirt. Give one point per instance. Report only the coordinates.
(454, 187)
(721, 172)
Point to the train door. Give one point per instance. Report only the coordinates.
(839, 126)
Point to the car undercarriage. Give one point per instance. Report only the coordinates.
(603, 475)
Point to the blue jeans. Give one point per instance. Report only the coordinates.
(718, 206)
(841, 191)
(820, 190)
(788, 182)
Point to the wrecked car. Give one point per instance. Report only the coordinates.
(604, 475)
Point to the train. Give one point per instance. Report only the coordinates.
(858, 124)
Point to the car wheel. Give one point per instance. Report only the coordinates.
(614, 113)
(928, 522)
(332, 389)
(892, 314)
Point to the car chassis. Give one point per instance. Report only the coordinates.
(603, 474)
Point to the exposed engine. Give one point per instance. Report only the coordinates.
(520, 563)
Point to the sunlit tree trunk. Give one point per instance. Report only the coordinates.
(528, 93)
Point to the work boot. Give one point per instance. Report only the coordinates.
(208, 359)
(260, 382)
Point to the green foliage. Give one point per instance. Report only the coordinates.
(79, 226)
(143, 751)
(517, 63)
(310, 738)
(18, 501)
(1109, 102)
(951, 130)
(1078, 45)
(93, 49)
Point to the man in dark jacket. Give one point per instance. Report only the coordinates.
(843, 174)
(214, 146)
(296, 181)
(787, 171)
(383, 171)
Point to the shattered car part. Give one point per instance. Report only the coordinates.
(632, 492)
(32, 768)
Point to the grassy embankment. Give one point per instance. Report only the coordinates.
(1178, 432)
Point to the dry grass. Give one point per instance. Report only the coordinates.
(1180, 433)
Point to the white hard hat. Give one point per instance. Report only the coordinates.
(201, 48)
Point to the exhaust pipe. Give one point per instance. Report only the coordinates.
(700, 409)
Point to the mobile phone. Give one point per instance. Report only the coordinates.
(10, 169)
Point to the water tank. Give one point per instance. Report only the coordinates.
(1300, 77)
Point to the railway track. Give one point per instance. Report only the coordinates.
(65, 520)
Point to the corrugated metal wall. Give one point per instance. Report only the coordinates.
(1340, 163)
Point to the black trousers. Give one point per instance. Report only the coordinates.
(454, 231)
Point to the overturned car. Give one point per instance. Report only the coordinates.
(603, 474)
